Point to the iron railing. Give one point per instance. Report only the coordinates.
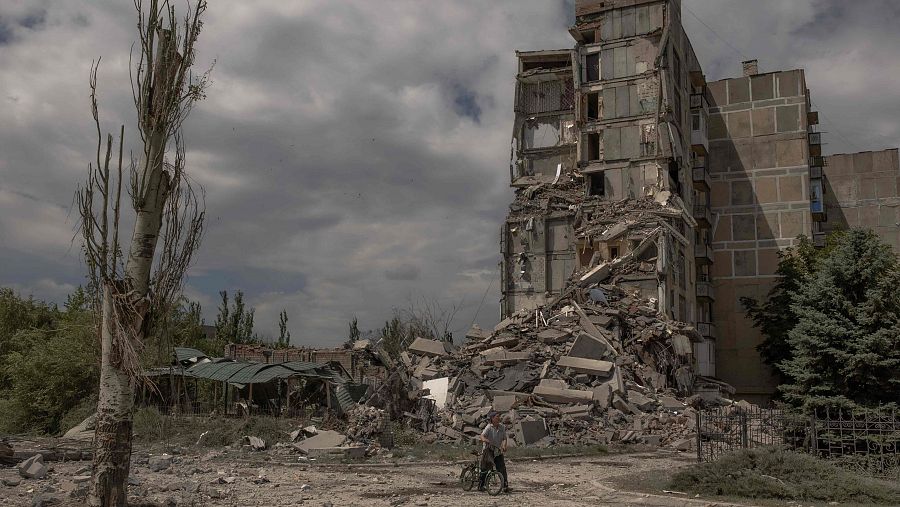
(868, 441)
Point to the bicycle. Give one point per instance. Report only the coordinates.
(471, 475)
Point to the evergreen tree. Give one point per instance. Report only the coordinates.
(774, 317)
(845, 346)
(284, 336)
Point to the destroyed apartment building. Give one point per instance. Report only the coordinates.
(631, 170)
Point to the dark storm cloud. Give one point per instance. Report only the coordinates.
(354, 154)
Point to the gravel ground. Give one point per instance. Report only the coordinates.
(244, 478)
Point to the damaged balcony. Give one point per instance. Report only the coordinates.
(699, 122)
(703, 254)
(705, 290)
(700, 176)
(703, 216)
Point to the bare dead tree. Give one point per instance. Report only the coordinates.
(128, 293)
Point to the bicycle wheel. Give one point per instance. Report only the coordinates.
(468, 477)
(493, 483)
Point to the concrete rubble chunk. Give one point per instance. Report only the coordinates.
(323, 440)
(588, 347)
(503, 403)
(589, 366)
(159, 463)
(552, 336)
(33, 467)
(532, 431)
(504, 357)
(426, 347)
(477, 334)
(556, 395)
(256, 443)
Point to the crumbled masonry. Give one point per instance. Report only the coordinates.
(597, 364)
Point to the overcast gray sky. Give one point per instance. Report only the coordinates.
(355, 153)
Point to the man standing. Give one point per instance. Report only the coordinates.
(494, 439)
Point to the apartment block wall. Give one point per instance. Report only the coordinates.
(759, 170)
(860, 190)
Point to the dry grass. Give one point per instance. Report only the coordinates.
(773, 473)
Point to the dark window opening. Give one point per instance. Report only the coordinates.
(592, 62)
(589, 36)
(613, 252)
(562, 63)
(593, 141)
(593, 106)
(673, 174)
(695, 121)
(597, 185)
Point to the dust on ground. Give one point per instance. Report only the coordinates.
(239, 477)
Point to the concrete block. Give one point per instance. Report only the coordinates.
(739, 124)
(504, 357)
(603, 396)
(590, 366)
(743, 227)
(554, 383)
(324, 439)
(791, 188)
(425, 347)
(640, 401)
(505, 341)
(552, 336)
(788, 118)
(588, 347)
(33, 467)
(738, 90)
(532, 431)
(741, 193)
(745, 262)
(503, 403)
(763, 121)
(555, 395)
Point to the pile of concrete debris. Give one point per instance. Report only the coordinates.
(597, 364)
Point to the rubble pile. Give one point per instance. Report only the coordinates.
(605, 369)
(597, 363)
(365, 423)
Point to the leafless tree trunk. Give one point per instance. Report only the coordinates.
(129, 295)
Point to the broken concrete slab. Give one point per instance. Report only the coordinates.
(555, 395)
(83, 430)
(551, 336)
(504, 357)
(603, 396)
(640, 401)
(426, 347)
(589, 366)
(503, 403)
(532, 431)
(324, 439)
(588, 347)
(477, 334)
(505, 341)
(33, 467)
(256, 443)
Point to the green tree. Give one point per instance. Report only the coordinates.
(354, 334)
(53, 366)
(845, 345)
(234, 324)
(284, 336)
(774, 316)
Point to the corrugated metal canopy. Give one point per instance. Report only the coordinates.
(186, 354)
(243, 373)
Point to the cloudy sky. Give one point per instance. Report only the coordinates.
(355, 153)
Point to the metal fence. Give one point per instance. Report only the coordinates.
(866, 441)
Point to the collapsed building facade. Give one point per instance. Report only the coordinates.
(631, 170)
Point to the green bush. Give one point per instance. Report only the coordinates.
(780, 474)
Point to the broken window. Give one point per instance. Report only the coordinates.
(673, 176)
(695, 121)
(593, 146)
(613, 252)
(593, 106)
(597, 184)
(648, 140)
(592, 67)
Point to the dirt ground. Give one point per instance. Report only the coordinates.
(240, 477)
